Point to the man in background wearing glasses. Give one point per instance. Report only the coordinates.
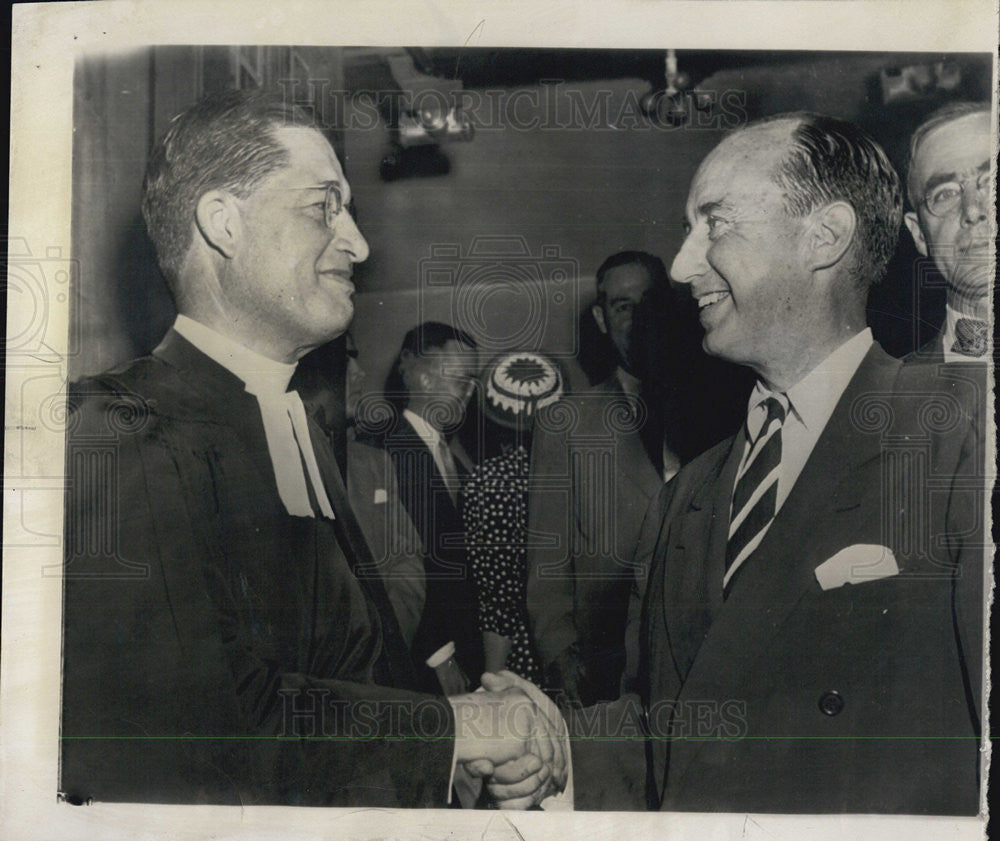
(948, 182)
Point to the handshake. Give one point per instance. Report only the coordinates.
(513, 738)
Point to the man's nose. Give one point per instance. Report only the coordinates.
(690, 262)
(349, 239)
(974, 205)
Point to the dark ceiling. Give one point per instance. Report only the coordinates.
(508, 67)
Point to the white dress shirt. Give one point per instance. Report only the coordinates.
(811, 402)
(435, 442)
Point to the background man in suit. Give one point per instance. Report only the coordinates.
(949, 174)
(598, 458)
(374, 496)
(219, 592)
(812, 630)
(430, 385)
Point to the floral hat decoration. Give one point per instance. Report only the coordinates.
(516, 385)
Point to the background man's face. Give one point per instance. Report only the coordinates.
(445, 375)
(292, 273)
(623, 287)
(742, 256)
(960, 242)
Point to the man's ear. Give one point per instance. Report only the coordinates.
(219, 222)
(424, 378)
(913, 223)
(598, 313)
(831, 234)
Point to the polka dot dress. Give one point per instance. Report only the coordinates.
(495, 511)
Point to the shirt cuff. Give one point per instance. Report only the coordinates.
(460, 781)
(442, 655)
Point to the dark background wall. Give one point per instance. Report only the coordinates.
(506, 243)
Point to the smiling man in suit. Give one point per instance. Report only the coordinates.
(227, 636)
(811, 636)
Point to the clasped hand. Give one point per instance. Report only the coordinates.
(504, 737)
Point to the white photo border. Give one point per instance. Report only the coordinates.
(47, 39)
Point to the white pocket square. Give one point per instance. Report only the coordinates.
(857, 564)
(381, 496)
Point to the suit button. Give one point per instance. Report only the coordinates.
(831, 703)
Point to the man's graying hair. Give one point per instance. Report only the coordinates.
(834, 160)
(224, 142)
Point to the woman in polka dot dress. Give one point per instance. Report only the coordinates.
(514, 386)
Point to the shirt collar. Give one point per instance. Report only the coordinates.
(428, 434)
(814, 397)
(951, 317)
(260, 374)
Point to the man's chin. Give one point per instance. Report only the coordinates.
(714, 345)
(340, 320)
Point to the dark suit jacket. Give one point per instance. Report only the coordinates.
(451, 604)
(202, 621)
(395, 544)
(591, 483)
(863, 698)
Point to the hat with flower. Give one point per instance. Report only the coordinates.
(516, 385)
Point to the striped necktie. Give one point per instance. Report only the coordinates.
(756, 492)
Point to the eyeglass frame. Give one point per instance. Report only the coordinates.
(332, 188)
(982, 183)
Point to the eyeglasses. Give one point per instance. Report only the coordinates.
(333, 201)
(945, 198)
(333, 204)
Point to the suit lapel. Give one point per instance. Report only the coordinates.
(697, 543)
(691, 545)
(411, 455)
(631, 459)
